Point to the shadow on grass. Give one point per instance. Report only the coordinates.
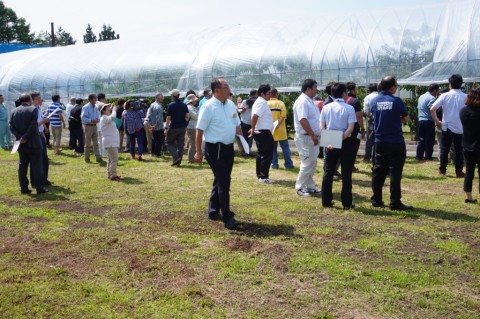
(132, 181)
(418, 212)
(263, 230)
(56, 193)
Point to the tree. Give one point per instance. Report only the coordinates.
(107, 34)
(12, 28)
(89, 35)
(63, 38)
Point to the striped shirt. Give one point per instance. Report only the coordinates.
(55, 118)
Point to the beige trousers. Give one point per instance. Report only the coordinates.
(112, 153)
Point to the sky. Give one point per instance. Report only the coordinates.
(133, 18)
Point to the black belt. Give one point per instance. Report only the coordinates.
(90, 124)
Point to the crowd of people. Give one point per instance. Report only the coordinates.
(208, 128)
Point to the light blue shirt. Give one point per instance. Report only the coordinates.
(425, 101)
(202, 101)
(218, 121)
(4, 114)
(338, 115)
(89, 113)
(40, 117)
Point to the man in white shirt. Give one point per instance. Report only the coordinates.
(68, 110)
(262, 125)
(339, 116)
(218, 122)
(451, 103)
(306, 118)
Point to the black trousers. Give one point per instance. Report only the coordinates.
(388, 157)
(472, 160)
(369, 141)
(245, 128)
(426, 139)
(220, 158)
(265, 145)
(346, 156)
(448, 137)
(33, 158)
(157, 142)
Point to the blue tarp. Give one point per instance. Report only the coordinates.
(10, 47)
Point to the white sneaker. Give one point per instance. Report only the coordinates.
(265, 180)
(301, 192)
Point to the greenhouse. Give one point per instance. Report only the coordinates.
(418, 44)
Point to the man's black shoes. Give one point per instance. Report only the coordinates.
(215, 216)
(400, 206)
(231, 223)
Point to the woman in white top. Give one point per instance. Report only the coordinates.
(110, 140)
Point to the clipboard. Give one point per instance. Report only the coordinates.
(331, 137)
(244, 143)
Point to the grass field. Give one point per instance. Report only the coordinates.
(143, 248)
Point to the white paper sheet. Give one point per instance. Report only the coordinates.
(55, 111)
(331, 137)
(15, 147)
(246, 149)
(275, 125)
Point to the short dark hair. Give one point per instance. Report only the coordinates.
(388, 82)
(78, 101)
(101, 96)
(17, 103)
(338, 89)
(274, 92)
(328, 88)
(205, 92)
(34, 94)
(350, 86)
(56, 98)
(216, 84)
(24, 98)
(188, 92)
(455, 81)
(263, 88)
(121, 101)
(433, 87)
(253, 92)
(372, 87)
(91, 96)
(308, 84)
(473, 97)
(128, 104)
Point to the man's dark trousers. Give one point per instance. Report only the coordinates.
(30, 157)
(388, 157)
(346, 156)
(447, 138)
(220, 158)
(265, 144)
(426, 139)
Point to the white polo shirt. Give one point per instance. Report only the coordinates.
(265, 118)
(218, 121)
(305, 108)
(451, 103)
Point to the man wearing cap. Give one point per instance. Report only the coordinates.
(218, 122)
(192, 125)
(90, 118)
(175, 127)
(155, 122)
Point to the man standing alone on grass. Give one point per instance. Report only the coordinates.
(306, 117)
(218, 122)
(390, 151)
(262, 124)
(5, 135)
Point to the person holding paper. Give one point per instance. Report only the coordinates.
(306, 118)
(279, 114)
(389, 114)
(339, 116)
(56, 122)
(218, 122)
(24, 125)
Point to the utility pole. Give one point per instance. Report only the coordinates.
(52, 32)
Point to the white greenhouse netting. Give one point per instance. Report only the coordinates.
(418, 44)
